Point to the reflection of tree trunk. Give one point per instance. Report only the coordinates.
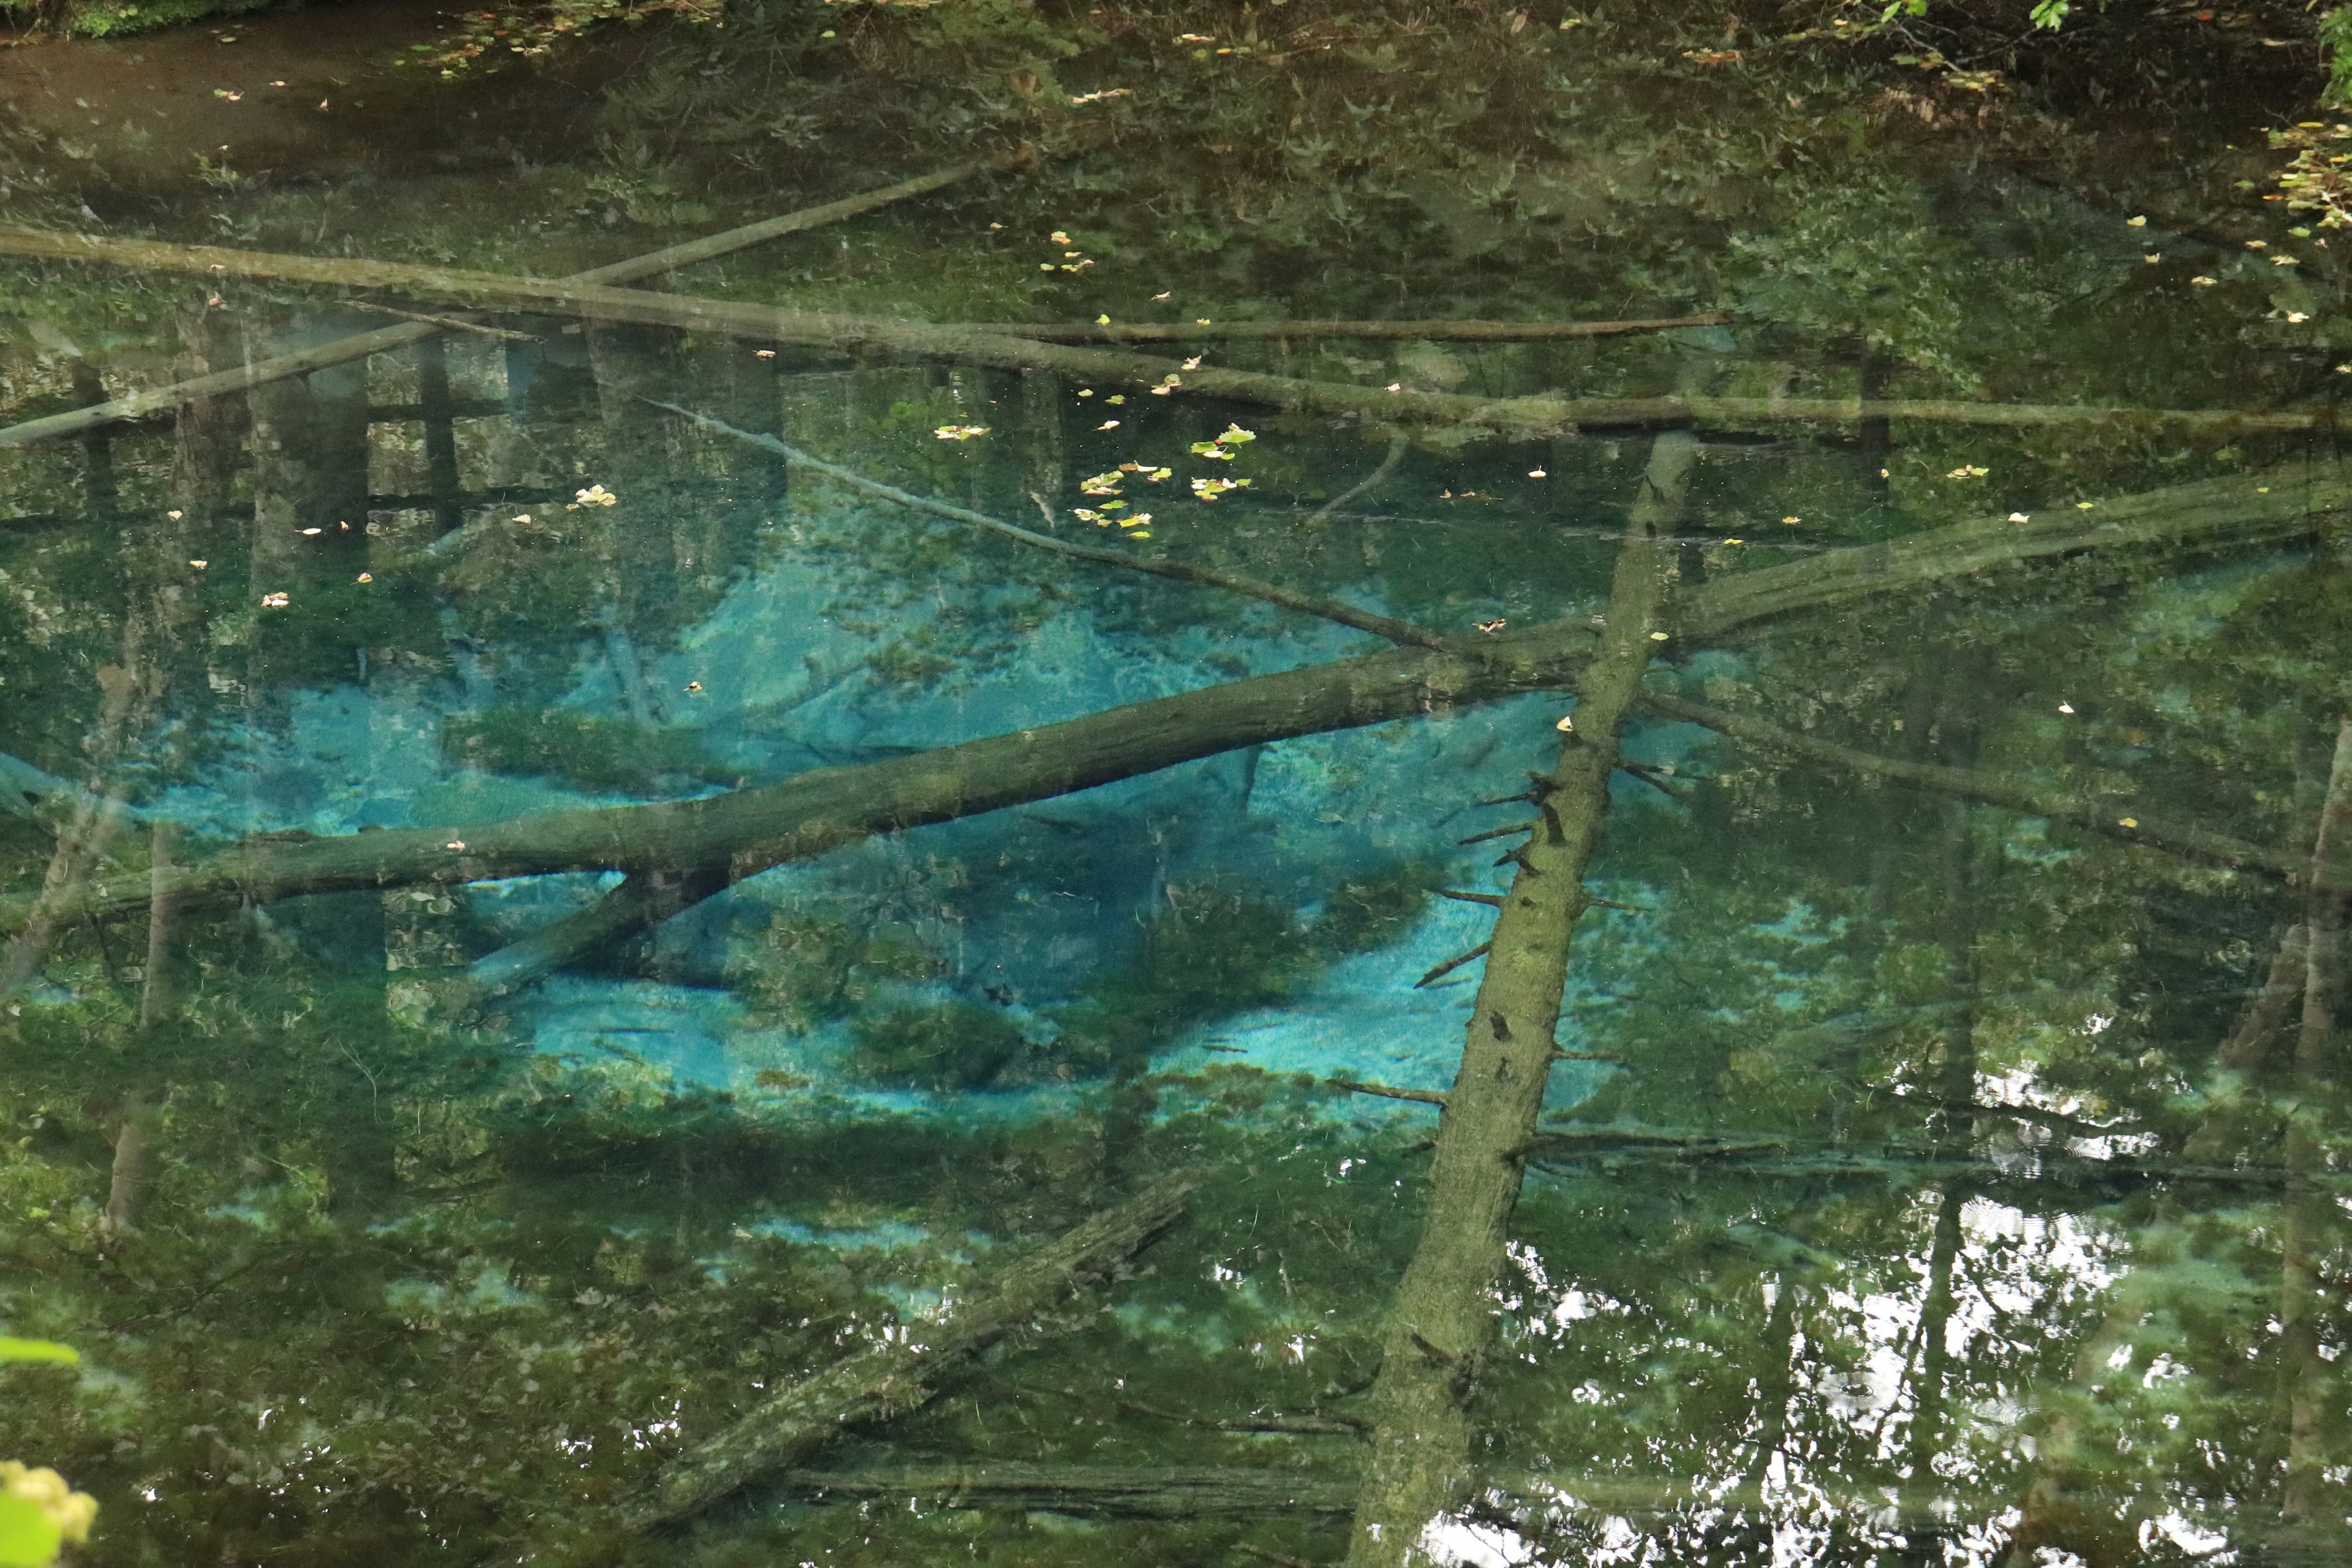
(1939, 732)
(1443, 1314)
(1776, 1387)
(640, 553)
(160, 993)
(127, 1181)
(436, 406)
(2307, 1222)
(1923, 1544)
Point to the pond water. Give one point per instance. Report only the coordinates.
(832, 928)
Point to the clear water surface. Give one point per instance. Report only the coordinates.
(429, 1146)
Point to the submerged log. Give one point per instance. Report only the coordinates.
(1459, 331)
(341, 351)
(2116, 817)
(906, 1371)
(1442, 1318)
(747, 831)
(1513, 417)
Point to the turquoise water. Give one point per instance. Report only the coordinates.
(433, 1130)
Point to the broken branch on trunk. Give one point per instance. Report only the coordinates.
(1388, 1091)
(1456, 962)
(903, 1373)
(1403, 633)
(1514, 417)
(260, 373)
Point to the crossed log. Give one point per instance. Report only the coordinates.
(739, 834)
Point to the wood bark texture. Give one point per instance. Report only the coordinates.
(1443, 1316)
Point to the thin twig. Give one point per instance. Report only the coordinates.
(1395, 631)
(1492, 901)
(1371, 481)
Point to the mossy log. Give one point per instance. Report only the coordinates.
(1442, 1318)
(904, 1371)
(745, 832)
(1513, 417)
(385, 340)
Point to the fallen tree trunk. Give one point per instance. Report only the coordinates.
(1226, 1492)
(2112, 817)
(1513, 417)
(341, 351)
(1427, 332)
(904, 1371)
(2212, 514)
(1094, 1491)
(1441, 1319)
(747, 831)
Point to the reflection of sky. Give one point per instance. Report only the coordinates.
(2022, 1283)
